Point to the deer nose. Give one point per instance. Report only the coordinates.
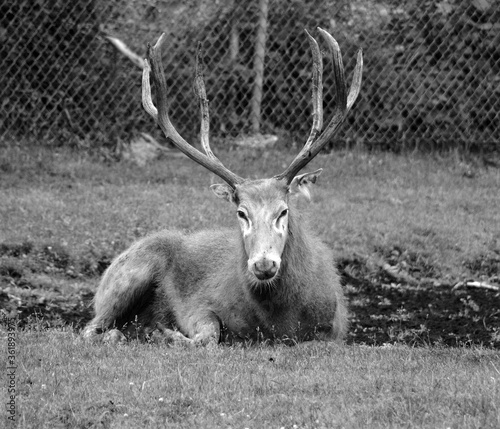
(265, 269)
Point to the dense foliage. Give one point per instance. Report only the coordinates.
(59, 78)
(430, 79)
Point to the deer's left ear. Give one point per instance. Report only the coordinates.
(300, 184)
(223, 191)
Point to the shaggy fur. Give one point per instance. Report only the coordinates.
(198, 287)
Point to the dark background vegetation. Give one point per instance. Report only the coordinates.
(431, 78)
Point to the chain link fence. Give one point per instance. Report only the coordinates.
(431, 78)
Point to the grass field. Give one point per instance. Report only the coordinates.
(410, 232)
(64, 382)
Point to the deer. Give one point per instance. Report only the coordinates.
(272, 279)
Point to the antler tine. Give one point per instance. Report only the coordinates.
(356, 80)
(154, 65)
(317, 98)
(317, 91)
(317, 94)
(343, 104)
(199, 87)
(147, 102)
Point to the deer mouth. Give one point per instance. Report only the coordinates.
(266, 275)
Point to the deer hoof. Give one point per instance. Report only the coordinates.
(114, 336)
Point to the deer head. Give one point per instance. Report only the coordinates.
(263, 206)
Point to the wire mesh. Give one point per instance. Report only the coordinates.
(431, 76)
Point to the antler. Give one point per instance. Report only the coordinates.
(343, 104)
(154, 64)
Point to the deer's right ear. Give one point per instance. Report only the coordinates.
(223, 191)
(300, 184)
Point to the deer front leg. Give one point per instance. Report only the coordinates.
(199, 329)
(204, 329)
(173, 337)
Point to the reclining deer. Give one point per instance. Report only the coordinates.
(271, 280)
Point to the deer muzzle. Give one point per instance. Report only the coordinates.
(264, 268)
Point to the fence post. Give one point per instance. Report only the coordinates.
(258, 66)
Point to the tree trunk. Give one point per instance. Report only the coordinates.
(258, 66)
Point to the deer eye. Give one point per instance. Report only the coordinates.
(283, 214)
(241, 214)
